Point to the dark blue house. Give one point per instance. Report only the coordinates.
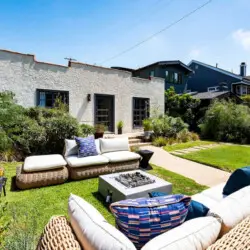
(207, 78)
(175, 73)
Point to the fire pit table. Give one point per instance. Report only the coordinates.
(130, 185)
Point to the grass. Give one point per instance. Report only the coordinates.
(185, 145)
(47, 201)
(228, 157)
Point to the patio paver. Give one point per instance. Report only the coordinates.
(200, 173)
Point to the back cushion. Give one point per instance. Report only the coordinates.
(238, 179)
(143, 219)
(196, 234)
(92, 230)
(233, 209)
(70, 148)
(113, 145)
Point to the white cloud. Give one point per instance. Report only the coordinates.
(242, 37)
(195, 53)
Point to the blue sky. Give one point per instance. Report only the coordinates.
(94, 30)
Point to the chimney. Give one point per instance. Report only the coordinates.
(243, 69)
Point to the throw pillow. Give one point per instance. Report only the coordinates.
(239, 178)
(143, 219)
(156, 194)
(86, 146)
(195, 209)
(70, 148)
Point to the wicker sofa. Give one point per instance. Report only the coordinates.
(227, 226)
(113, 156)
(45, 170)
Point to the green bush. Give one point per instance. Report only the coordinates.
(147, 125)
(227, 121)
(167, 126)
(86, 130)
(28, 131)
(160, 141)
(57, 129)
(184, 136)
(5, 142)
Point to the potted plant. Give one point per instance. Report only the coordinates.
(147, 126)
(119, 127)
(99, 130)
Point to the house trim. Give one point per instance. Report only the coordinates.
(216, 69)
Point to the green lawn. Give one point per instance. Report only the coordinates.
(185, 145)
(227, 157)
(42, 203)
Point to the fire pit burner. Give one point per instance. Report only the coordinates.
(133, 180)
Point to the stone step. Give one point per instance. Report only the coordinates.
(134, 140)
(141, 144)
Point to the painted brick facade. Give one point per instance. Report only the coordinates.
(23, 75)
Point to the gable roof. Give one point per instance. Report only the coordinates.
(175, 62)
(217, 69)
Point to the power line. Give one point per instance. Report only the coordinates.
(157, 33)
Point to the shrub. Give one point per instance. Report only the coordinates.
(194, 136)
(5, 142)
(227, 121)
(57, 129)
(147, 125)
(184, 106)
(167, 126)
(86, 130)
(184, 136)
(160, 141)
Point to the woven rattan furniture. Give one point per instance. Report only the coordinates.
(58, 234)
(94, 171)
(26, 180)
(237, 239)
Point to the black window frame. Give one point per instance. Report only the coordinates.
(53, 94)
(173, 77)
(138, 111)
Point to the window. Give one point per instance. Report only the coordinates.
(140, 110)
(213, 89)
(152, 73)
(46, 98)
(173, 77)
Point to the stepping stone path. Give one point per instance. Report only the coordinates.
(194, 149)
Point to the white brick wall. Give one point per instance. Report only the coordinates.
(23, 75)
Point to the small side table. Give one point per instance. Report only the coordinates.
(3, 181)
(146, 156)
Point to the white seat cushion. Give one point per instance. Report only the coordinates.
(122, 156)
(233, 209)
(215, 192)
(92, 230)
(205, 200)
(196, 234)
(43, 162)
(114, 145)
(75, 162)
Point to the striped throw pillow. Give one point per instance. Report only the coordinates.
(143, 219)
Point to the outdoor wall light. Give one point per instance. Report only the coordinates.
(89, 97)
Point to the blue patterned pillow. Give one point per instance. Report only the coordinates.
(145, 218)
(86, 146)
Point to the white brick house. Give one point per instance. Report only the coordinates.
(94, 94)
